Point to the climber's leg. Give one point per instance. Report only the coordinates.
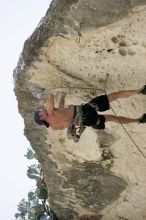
(102, 119)
(122, 94)
(120, 119)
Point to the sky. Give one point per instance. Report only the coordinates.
(18, 19)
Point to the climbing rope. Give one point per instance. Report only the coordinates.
(126, 130)
(128, 133)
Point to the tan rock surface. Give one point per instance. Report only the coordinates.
(76, 49)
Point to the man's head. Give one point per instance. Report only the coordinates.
(40, 117)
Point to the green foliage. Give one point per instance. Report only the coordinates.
(38, 210)
(42, 192)
(35, 205)
(30, 210)
(32, 176)
(17, 215)
(23, 206)
(33, 171)
(30, 154)
(31, 196)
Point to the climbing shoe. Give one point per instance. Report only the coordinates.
(143, 119)
(143, 91)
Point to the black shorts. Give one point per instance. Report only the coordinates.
(90, 115)
(101, 103)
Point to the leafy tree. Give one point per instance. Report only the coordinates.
(31, 196)
(30, 154)
(17, 215)
(35, 168)
(38, 210)
(31, 209)
(42, 192)
(32, 176)
(23, 208)
(33, 171)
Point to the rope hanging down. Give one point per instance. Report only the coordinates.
(127, 131)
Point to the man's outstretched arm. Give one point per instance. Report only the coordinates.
(49, 97)
(51, 107)
(62, 100)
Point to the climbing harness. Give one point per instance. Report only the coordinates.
(79, 118)
(78, 135)
(75, 131)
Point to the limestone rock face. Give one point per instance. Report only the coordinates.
(84, 47)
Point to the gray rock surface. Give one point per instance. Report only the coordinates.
(83, 47)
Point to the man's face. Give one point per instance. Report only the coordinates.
(43, 115)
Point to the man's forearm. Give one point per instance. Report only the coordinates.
(62, 100)
(49, 98)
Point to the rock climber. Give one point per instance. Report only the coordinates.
(85, 114)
